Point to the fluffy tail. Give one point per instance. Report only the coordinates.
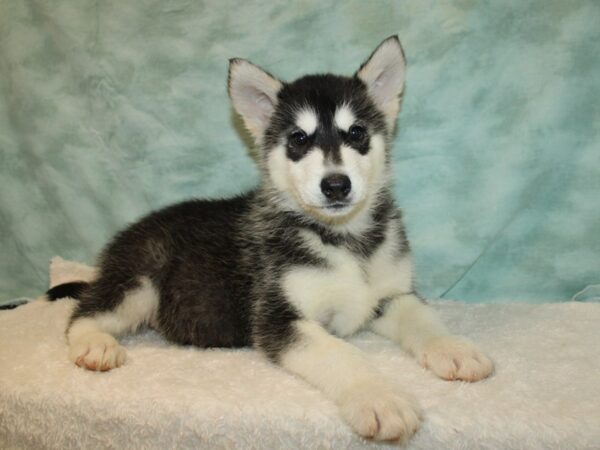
(72, 290)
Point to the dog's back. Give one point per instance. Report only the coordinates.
(177, 270)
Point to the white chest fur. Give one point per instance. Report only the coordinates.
(342, 295)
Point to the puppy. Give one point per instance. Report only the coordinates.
(315, 253)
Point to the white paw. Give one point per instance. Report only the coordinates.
(377, 411)
(96, 351)
(455, 358)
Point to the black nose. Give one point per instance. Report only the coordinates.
(336, 186)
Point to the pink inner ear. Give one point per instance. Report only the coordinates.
(380, 79)
(383, 88)
(256, 105)
(264, 104)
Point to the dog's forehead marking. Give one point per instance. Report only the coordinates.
(344, 117)
(307, 121)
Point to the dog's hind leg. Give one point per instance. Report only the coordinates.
(105, 311)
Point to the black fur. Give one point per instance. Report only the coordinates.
(189, 252)
(209, 270)
(217, 265)
(72, 290)
(324, 93)
(12, 305)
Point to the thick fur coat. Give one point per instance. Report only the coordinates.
(315, 253)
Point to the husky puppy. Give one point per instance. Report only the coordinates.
(314, 254)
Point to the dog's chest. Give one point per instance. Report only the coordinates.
(342, 295)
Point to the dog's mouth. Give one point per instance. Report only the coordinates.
(336, 212)
(330, 210)
(334, 206)
(337, 206)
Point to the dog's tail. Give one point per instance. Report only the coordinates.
(72, 290)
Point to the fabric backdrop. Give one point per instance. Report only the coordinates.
(111, 108)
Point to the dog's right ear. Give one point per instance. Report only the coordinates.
(253, 93)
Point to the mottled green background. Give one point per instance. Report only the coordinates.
(111, 108)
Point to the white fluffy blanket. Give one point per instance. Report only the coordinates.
(545, 392)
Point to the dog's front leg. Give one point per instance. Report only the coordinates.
(371, 403)
(408, 320)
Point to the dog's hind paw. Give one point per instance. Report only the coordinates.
(455, 358)
(97, 351)
(381, 413)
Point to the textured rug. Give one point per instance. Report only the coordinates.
(544, 394)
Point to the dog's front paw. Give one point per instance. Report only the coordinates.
(97, 351)
(378, 412)
(455, 358)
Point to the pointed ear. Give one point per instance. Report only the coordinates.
(253, 93)
(383, 73)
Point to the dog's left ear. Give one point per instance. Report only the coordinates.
(253, 93)
(383, 73)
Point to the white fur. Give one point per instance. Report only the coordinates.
(305, 176)
(368, 174)
(355, 224)
(378, 174)
(307, 121)
(410, 322)
(455, 358)
(360, 169)
(372, 405)
(93, 349)
(344, 117)
(342, 296)
(417, 328)
(338, 297)
(277, 168)
(299, 182)
(91, 340)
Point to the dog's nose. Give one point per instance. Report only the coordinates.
(336, 186)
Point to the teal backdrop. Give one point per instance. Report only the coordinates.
(111, 108)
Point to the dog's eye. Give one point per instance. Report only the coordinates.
(299, 138)
(356, 133)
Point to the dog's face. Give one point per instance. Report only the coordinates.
(323, 137)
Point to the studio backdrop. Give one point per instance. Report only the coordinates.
(109, 109)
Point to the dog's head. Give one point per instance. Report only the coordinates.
(323, 138)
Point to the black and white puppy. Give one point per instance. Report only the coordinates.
(314, 254)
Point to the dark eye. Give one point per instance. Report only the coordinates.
(298, 138)
(356, 133)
